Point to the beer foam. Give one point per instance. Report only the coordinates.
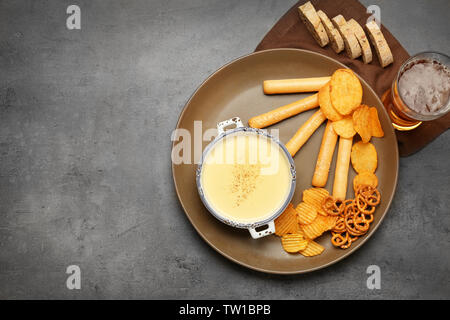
(425, 86)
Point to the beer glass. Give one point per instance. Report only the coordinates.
(420, 91)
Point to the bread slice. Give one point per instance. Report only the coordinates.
(312, 21)
(352, 47)
(379, 42)
(362, 40)
(337, 43)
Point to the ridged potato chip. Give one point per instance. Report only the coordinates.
(331, 222)
(287, 221)
(293, 242)
(312, 249)
(365, 178)
(345, 91)
(325, 104)
(315, 228)
(315, 197)
(306, 213)
(344, 127)
(377, 130)
(364, 157)
(362, 122)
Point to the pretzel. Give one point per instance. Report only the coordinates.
(333, 206)
(348, 202)
(350, 240)
(342, 240)
(369, 192)
(373, 200)
(350, 209)
(354, 216)
(360, 222)
(351, 228)
(351, 225)
(339, 227)
(363, 206)
(339, 239)
(368, 217)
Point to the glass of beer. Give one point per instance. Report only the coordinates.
(420, 91)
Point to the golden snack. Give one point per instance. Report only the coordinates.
(312, 249)
(332, 206)
(342, 167)
(365, 178)
(362, 122)
(325, 156)
(315, 228)
(331, 222)
(287, 221)
(377, 130)
(344, 127)
(325, 104)
(315, 197)
(339, 238)
(284, 112)
(293, 242)
(306, 213)
(339, 226)
(370, 194)
(345, 91)
(363, 206)
(294, 85)
(364, 157)
(356, 218)
(305, 132)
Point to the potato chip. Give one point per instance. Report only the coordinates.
(365, 178)
(293, 242)
(331, 221)
(364, 157)
(315, 197)
(312, 249)
(325, 104)
(306, 213)
(345, 91)
(377, 130)
(287, 221)
(315, 228)
(362, 122)
(344, 127)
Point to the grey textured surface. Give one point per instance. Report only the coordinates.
(85, 178)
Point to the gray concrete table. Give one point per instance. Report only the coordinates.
(85, 177)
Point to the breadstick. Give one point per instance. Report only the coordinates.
(294, 85)
(306, 130)
(284, 112)
(325, 157)
(342, 166)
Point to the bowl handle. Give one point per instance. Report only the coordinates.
(222, 125)
(259, 234)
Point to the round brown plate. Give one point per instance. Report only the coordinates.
(236, 90)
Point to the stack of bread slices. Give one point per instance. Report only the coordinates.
(346, 35)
